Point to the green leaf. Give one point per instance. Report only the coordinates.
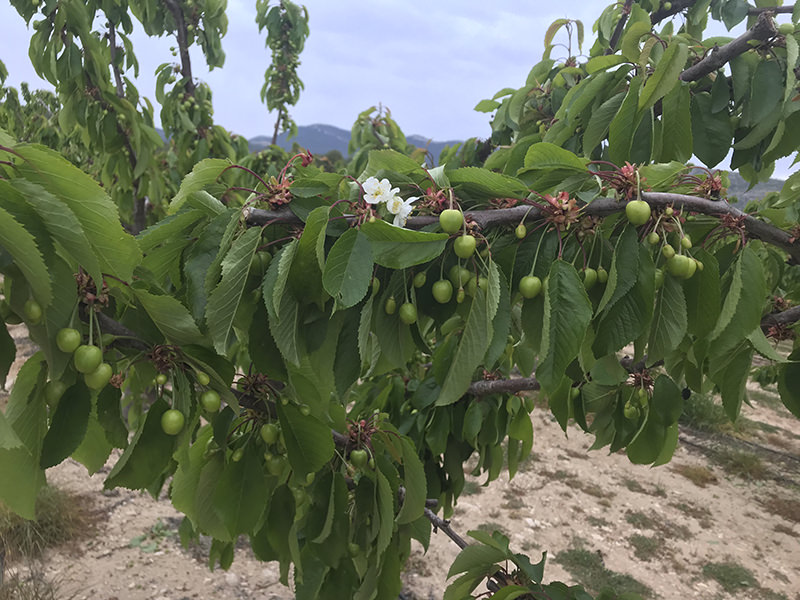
(68, 426)
(665, 77)
(203, 173)
(348, 268)
(486, 106)
(669, 320)
(21, 245)
(711, 132)
(305, 274)
(62, 225)
(676, 140)
(20, 473)
(171, 317)
(597, 128)
(547, 165)
(703, 295)
(477, 557)
(225, 299)
(116, 250)
(482, 183)
(148, 454)
(168, 228)
(732, 378)
(398, 248)
(95, 448)
(742, 307)
(390, 160)
(285, 329)
(630, 40)
(789, 387)
(474, 340)
(625, 124)
(414, 482)
(239, 485)
(309, 443)
(627, 318)
(601, 63)
(567, 313)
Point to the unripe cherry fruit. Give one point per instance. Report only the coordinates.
(172, 421)
(32, 311)
(99, 378)
(420, 279)
(408, 313)
(653, 238)
(530, 286)
(638, 212)
(87, 358)
(68, 340)
(442, 291)
(391, 305)
(589, 278)
(464, 246)
(521, 231)
(451, 220)
(602, 275)
(210, 401)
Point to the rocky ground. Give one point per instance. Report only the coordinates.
(722, 520)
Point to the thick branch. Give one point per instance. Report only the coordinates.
(785, 10)
(763, 30)
(183, 44)
(623, 18)
(503, 386)
(787, 317)
(598, 208)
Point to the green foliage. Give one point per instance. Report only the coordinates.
(290, 273)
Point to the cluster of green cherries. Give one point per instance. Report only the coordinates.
(677, 263)
(87, 358)
(173, 420)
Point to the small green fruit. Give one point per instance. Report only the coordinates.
(87, 358)
(420, 279)
(638, 212)
(451, 220)
(32, 311)
(210, 401)
(68, 340)
(391, 305)
(631, 411)
(786, 29)
(269, 433)
(589, 278)
(602, 275)
(202, 378)
(521, 231)
(99, 378)
(464, 246)
(172, 421)
(667, 251)
(530, 286)
(408, 313)
(686, 242)
(359, 458)
(442, 291)
(653, 238)
(161, 379)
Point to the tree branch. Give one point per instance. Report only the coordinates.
(763, 30)
(623, 18)
(183, 45)
(112, 44)
(677, 6)
(787, 317)
(784, 10)
(502, 386)
(599, 207)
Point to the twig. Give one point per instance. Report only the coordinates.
(112, 44)
(785, 10)
(503, 386)
(677, 6)
(763, 30)
(623, 18)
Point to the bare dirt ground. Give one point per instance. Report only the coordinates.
(722, 520)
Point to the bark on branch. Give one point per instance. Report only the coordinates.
(677, 6)
(763, 30)
(599, 208)
(183, 44)
(623, 18)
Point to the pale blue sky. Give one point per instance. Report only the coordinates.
(429, 62)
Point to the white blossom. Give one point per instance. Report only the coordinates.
(376, 191)
(400, 209)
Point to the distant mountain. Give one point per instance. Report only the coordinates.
(739, 189)
(320, 139)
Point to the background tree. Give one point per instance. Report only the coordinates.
(287, 29)
(327, 349)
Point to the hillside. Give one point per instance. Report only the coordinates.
(320, 138)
